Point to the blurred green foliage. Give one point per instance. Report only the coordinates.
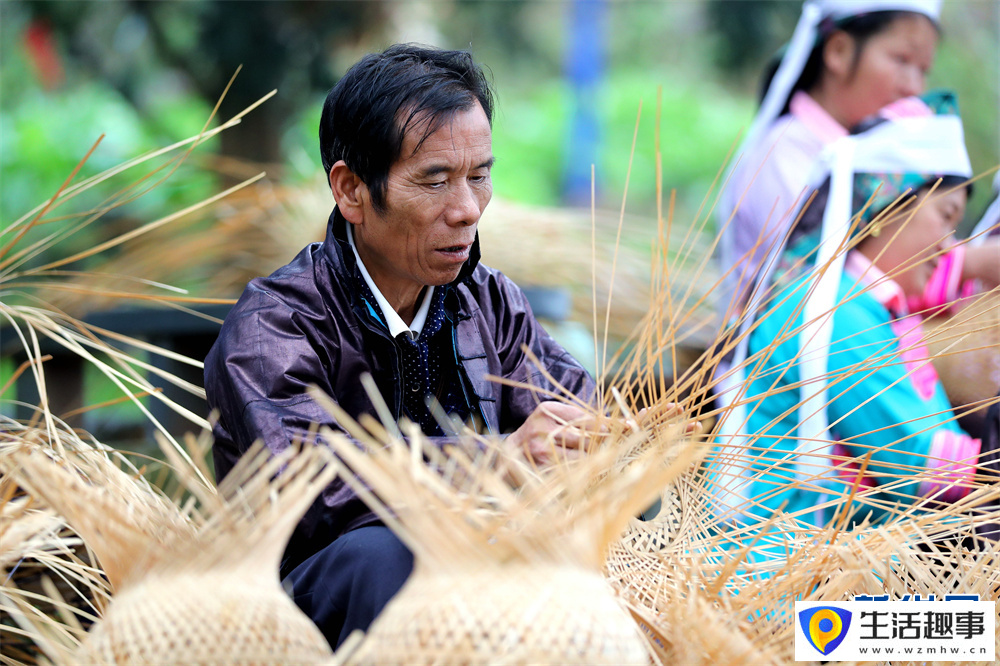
(704, 55)
(41, 143)
(44, 134)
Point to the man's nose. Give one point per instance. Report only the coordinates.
(464, 209)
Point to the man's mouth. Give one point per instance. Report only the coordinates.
(456, 251)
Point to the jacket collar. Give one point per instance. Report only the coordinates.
(816, 118)
(882, 288)
(339, 248)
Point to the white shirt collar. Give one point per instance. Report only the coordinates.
(392, 319)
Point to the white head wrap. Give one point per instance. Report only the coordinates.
(933, 144)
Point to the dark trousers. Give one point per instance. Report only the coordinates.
(345, 586)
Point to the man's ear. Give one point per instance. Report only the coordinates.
(839, 54)
(349, 192)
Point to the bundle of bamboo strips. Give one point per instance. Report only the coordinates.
(43, 300)
(45, 568)
(79, 514)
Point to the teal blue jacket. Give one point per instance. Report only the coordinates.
(875, 408)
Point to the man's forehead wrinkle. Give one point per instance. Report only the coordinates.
(445, 167)
(435, 169)
(420, 124)
(427, 160)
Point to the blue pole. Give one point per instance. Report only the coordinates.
(584, 67)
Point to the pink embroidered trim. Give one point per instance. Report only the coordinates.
(915, 355)
(952, 461)
(906, 107)
(945, 285)
(882, 288)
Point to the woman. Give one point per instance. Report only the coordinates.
(846, 60)
(828, 391)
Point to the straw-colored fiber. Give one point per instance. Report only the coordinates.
(966, 353)
(196, 584)
(506, 571)
(531, 613)
(212, 617)
(659, 525)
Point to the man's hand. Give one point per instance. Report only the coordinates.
(669, 413)
(554, 431)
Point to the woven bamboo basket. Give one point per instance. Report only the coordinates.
(211, 617)
(192, 585)
(658, 526)
(505, 572)
(526, 613)
(191, 578)
(700, 600)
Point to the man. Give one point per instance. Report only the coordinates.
(395, 291)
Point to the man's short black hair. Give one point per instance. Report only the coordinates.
(384, 95)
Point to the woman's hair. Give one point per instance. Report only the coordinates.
(861, 28)
(811, 218)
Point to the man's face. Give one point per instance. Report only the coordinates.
(434, 198)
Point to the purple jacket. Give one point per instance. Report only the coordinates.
(306, 324)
